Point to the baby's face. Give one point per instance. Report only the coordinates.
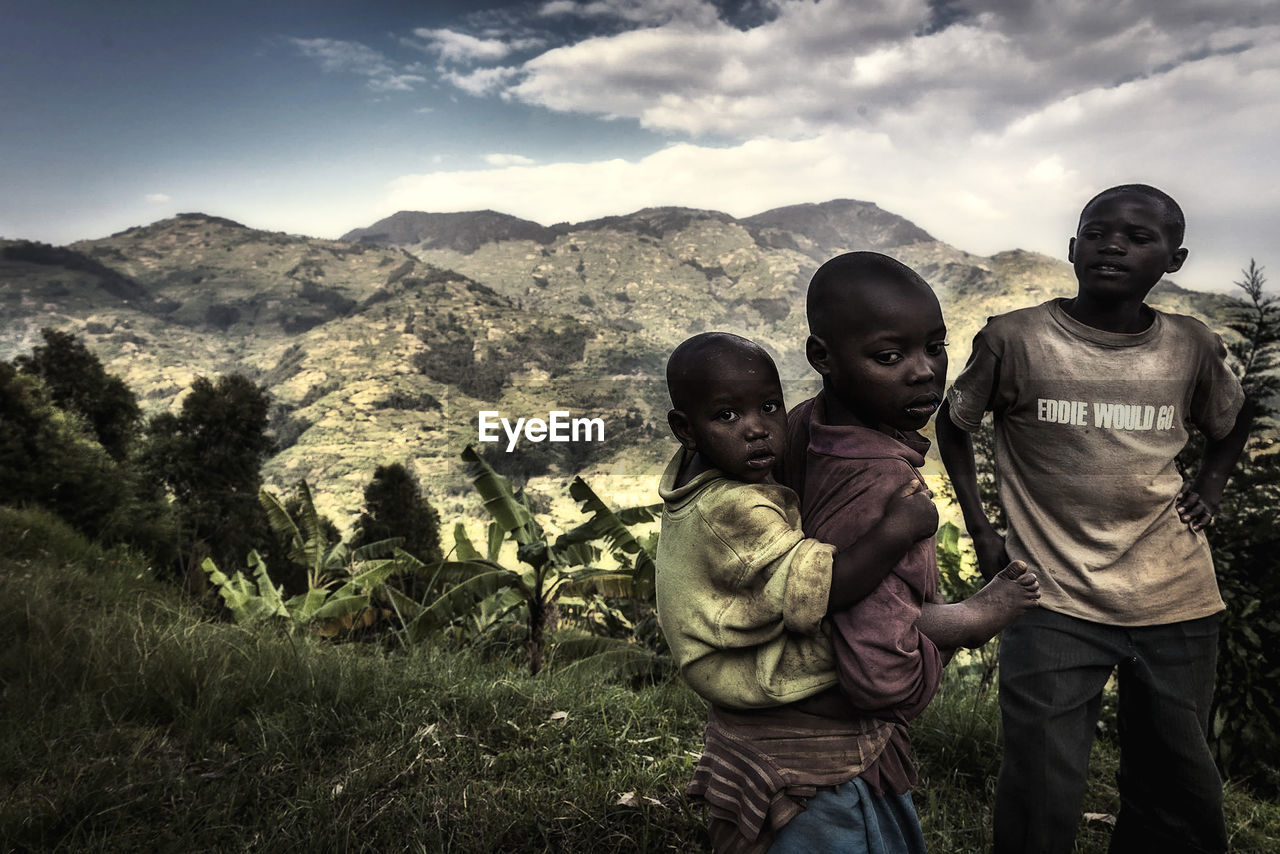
(888, 364)
(739, 425)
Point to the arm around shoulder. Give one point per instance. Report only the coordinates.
(910, 516)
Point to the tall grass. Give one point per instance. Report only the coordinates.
(132, 721)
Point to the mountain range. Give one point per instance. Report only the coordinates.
(385, 345)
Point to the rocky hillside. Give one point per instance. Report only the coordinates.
(385, 345)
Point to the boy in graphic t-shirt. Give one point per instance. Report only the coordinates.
(1091, 398)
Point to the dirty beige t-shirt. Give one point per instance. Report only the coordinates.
(1087, 427)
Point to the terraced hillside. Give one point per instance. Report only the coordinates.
(385, 346)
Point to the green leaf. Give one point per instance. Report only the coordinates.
(242, 595)
(378, 549)
(462, 544)
(607, 582)
(639, 515)
(313, 537)
(611, 658)
(511, 514)
(407, 608)
(456, 602)
(576, 554)
(337, 557)
(496, 535)
(604, 524)
(304, 606)
(272, 602)
(949, 539)
(282, 523)
(340, 605)
(458, 571)
(374, 573)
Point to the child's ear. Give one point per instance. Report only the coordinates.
(1177, 260)
(819, 356)
(1071, 251)
(683, 430)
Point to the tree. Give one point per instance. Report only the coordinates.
(209, 456)
(1257, 321)
(1245, 719)
(50, 458)
(78, 383)
(394, 507)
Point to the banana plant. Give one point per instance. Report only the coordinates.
(250, 600)
(345, 587)
(483, 589)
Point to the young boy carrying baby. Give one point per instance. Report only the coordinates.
(743, 596)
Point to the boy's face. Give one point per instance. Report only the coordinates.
(888, 363)
(738, 423)
(1122, 249)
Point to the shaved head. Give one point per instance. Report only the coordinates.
(838, 284)
(1171, 216)
(710, 358)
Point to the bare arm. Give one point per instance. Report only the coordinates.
(956, 448)
(859, 569)
(1198, 500)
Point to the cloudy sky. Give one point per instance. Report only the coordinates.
(986, 122)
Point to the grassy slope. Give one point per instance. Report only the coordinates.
(132, 721)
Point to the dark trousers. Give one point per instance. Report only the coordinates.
(1052, 671)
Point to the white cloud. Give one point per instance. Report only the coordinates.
(508, 160)
(336, 55)
(453, 46)
(890, 64)
(987, 122)
(482, 81)
(396, 82)
(635, 11)
(1194, 131)
(157, 198)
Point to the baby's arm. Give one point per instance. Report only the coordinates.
(1198, 500)
(956, 447)
(909, 517)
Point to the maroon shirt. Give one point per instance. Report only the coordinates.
(845, 476)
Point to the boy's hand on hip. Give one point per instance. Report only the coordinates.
(1192, 509)
(911, 513)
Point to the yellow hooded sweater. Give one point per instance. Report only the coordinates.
(741, 592)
